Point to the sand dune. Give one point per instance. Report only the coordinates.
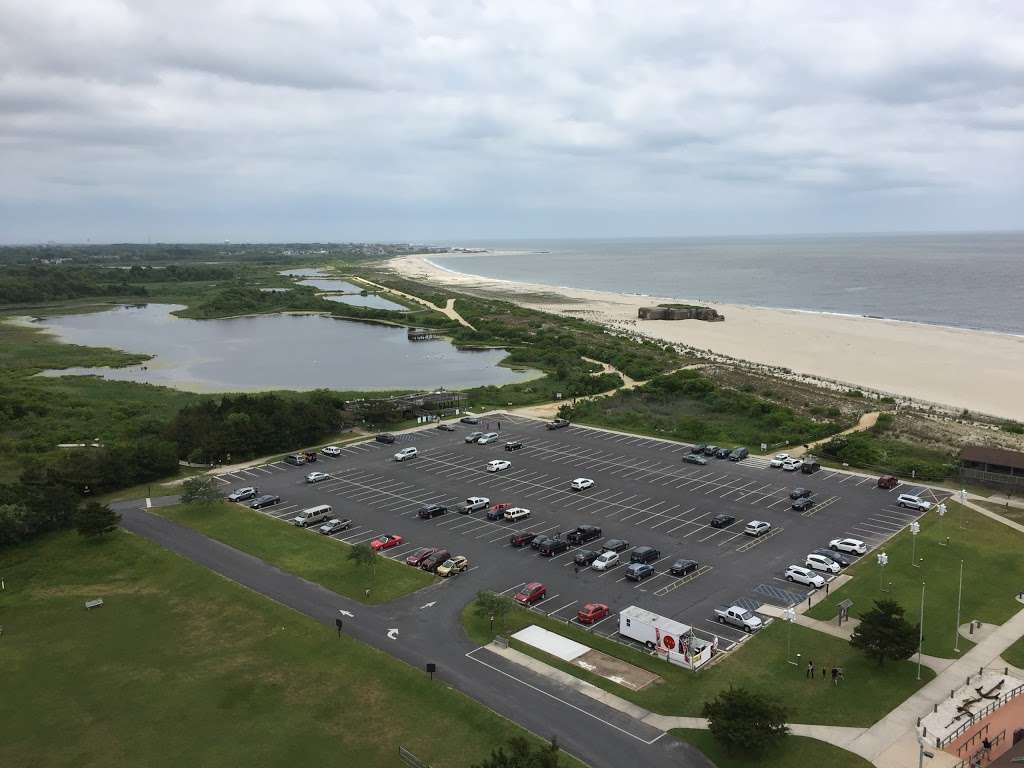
(979, 371)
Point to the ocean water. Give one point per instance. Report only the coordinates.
(963, 280)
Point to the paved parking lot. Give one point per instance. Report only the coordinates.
(643, 494)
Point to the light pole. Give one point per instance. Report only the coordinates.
(789, 616)
(920, 634)
(963, 503)
(942, 513)
(915, 528)
(883, 560)
(959, 594)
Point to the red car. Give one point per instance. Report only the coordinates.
(592, 612)
(416, 558)
(531, 593)
(887, 482)
(497, 511)
(387, 541)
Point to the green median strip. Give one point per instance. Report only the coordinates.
(299, 551)
(795, 752)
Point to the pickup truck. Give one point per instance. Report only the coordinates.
(738, 617)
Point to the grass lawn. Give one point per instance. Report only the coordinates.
(993, 556)
(795, 752)
(181, 667)
(760, 664)
(1010, 513)
(313, 557)
(1015, 654)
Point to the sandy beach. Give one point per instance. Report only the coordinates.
(979, 371)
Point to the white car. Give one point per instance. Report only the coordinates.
(406, 453)
(331, 450)
(605, 560)
(803, 576)
(498, 465)
(778, 459)
(822, 563)
(490, 437)
(476, 503)
(911, 501)
(791, 464)
(757, 528)
(582, 483)
(856, 546)
(317, 477)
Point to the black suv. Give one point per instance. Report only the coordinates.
(802, 505)
(615, 545)
(683, 567)
(432, 510)
(469, 420)
(722, 521)
(513, 445)
(557, 424)
(584, 557)
(799, 493)
(644, 555)
(539, 541)
(553, 547)
(385, 437)
(266, 500)
(583, 533)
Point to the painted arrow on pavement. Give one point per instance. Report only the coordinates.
(346, 613)
(428, 605)
(393, 634)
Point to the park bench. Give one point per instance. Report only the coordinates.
(90, 604)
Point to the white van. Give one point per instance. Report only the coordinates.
(312, 516)
(516, 514)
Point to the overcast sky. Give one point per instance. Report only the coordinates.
(445, 121)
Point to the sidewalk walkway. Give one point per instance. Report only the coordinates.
(892, 741)
(448, 310)
(867, 421)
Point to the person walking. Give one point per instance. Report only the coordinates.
(835, 676)
(810, 670)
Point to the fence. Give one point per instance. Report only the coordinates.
(988, 710)
(410, 759)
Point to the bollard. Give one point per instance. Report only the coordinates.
(926, 732)
(935, 708)
(951, 692)
(981, 670)
(970, 629)
(919, 722)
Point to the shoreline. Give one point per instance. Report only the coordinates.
(959, 368)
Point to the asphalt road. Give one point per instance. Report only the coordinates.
(585, 728)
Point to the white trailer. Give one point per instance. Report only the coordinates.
(671, 639)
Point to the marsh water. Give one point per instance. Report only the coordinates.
(299, 352)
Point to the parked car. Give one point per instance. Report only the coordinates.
(810, 466)
(739, 617)
(385, 437)
(469, 420)
(644, 555)
(582, 484)
(605, 560)
(473, 504)
(444, 427)
(498, 465)
(802, 504)
(553, 546)
(331, 450)
(487, 437)
(581, 534)
(699, 448)
(695, 458)
(416, 558)
(515, 514)
(334, 526)
(888, 482)
(513, 445)
(739, 454)
(521, 539)
(821, 563)
(792, 465)
(406, 453)
(584, 557)
(911, 501)
(683, 567)
(722, 453)
(801, 575)
(832, 555)
(531, 593)
(778, 460)
(615, 545)
(710, 450)
(538, 542)
(453, 565)
(431, 562)
(313, 515)
(310, 456)
(266, 500)
(757, 528)
(799, 493)
(591, 613)
(317, 477)
(856, 546)
(428, 511)
(722, 521)
(243, 494)
(295, 459)
(472, 437)
(387, 541)
(557, 424)
(497, 511)
(639, 571)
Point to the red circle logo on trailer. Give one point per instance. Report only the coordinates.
(669, 642)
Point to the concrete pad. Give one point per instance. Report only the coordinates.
(557, 645)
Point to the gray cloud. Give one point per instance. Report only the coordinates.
(430, 119)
